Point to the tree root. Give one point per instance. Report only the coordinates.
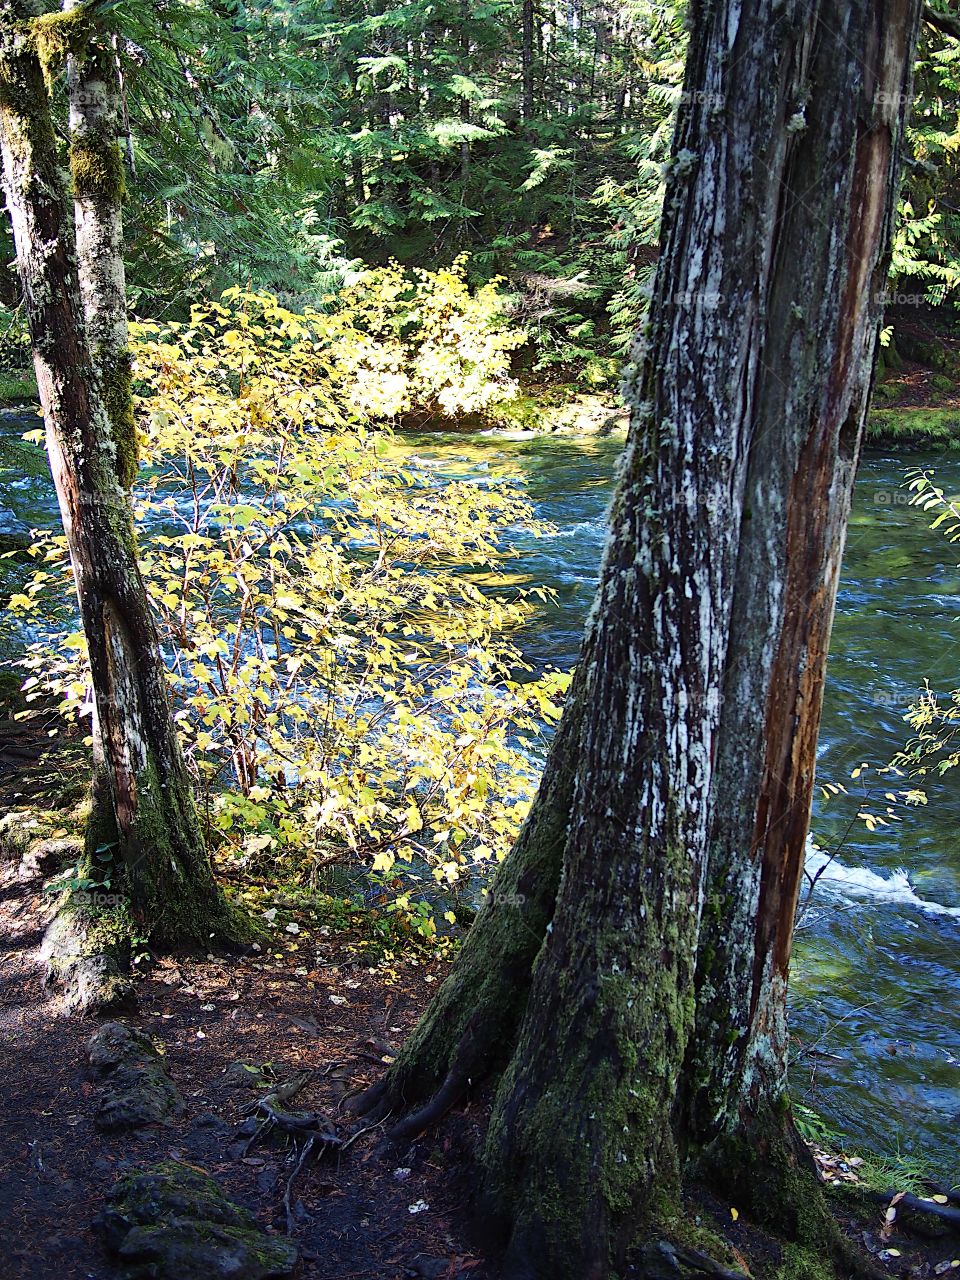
(941, 1189)
(700, 1263)
(317, 1131)
(376, 1101)
(948, 1213)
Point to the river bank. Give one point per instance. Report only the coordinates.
(315, 1013)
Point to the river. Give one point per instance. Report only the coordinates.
(875, 1008)
(875, 1012)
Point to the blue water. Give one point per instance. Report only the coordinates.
(875, 1012)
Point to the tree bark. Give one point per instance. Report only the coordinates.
(527, 68)
(168, 877)
(817, 358)
(98, 182)
(720, 575)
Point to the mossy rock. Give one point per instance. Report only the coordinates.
(19, 828)
(244, 1075)
(136, 1088)
(173, 1222)
(925, 349)
(86, 952)
(914, 427)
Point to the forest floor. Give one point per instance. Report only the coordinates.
(354, 1216)
(315, 998)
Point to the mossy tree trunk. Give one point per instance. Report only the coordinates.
(682, 771)
(167, 873)
(98, 181)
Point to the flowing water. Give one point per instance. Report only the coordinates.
(876, 981)
(876, 1014)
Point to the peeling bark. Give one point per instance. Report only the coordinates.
(819, 342)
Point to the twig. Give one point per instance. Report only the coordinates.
(288, 1211)
(360, 1132)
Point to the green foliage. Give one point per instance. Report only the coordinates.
(281, 147)
(926, 248)
(344, 688)
(812, 1127)
(14, 339)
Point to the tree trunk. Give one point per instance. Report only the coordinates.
(527, 69)
(817, 360)
(727, 528)
(168, 877)
(98, 185)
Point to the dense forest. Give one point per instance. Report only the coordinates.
(285, 147)
(438, 438)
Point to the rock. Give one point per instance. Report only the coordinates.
(210, 1120)
(81, 960)
(43, 857)
(243, 1075)
(18, 827)
(173, 1222)
(136, 1089)
(424, 1268)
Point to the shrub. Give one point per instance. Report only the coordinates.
(345, 686)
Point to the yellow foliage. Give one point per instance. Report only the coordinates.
(345, 686)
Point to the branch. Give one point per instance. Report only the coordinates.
(945, 23)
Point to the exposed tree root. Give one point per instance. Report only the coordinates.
(948, 1213)
(447, 1096)
(375, 1101)
(309, 1127)
(700, 1263)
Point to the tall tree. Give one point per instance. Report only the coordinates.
(89, 429)
(583, 982)
(98, 181)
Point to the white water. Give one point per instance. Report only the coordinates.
(835, 877)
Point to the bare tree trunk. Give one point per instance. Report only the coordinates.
(720, 574)
(167, 873)
(819, 345)
(527, 70)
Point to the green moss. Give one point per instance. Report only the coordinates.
(800, 1263)
(117, 380)
(57, 36)
(920, 427)
(96, 167)
(173, 1219)
(17, 386)
(684, 1227)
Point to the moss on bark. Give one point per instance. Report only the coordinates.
(116, 376)
(96, 167)
(58, 36)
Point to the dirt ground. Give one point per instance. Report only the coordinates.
(307, 1001)
(356, 1217)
